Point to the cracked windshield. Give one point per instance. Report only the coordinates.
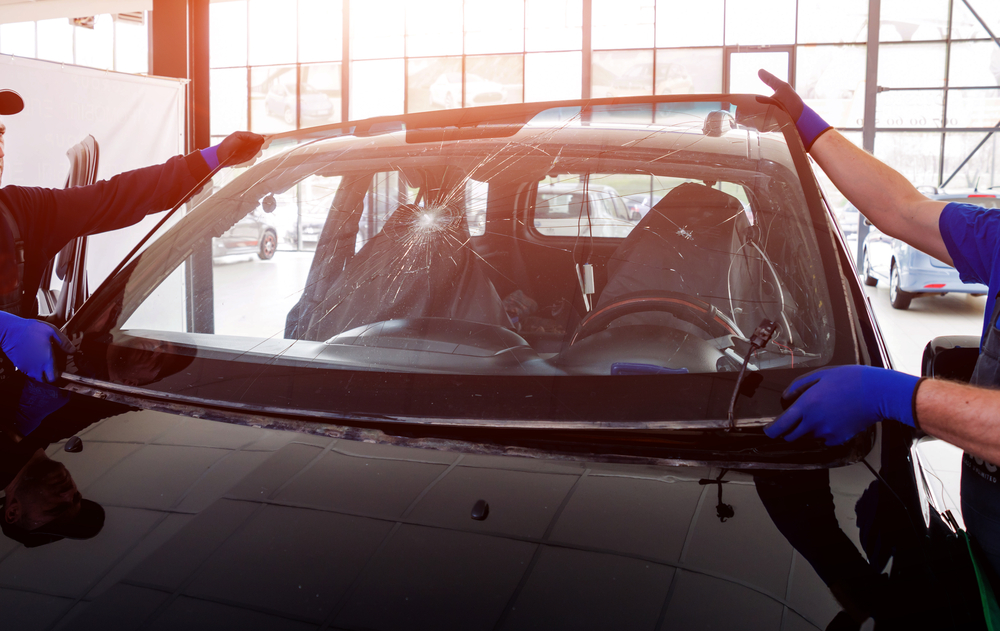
(603, 243)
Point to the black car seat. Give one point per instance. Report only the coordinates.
(684, 244)
(421, 265)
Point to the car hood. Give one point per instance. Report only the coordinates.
(210, 524)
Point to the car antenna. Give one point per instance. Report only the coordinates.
(761, 336)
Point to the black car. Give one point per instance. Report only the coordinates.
(250, 235)
(438, 423)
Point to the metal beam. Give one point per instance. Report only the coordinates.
(972, 153)
(996, 127)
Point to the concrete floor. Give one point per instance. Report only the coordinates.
(906, 333)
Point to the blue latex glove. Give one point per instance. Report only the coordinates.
(834, 404)
(808, 123)
(28, 344)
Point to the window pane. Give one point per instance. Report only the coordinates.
(272, 32)
(974, 64)
(132, 47)
(753, 23)
(321, 94)
(964, 25)
(272, 99)
(689, 71)
(434, 83)
(685, 23)
(55, 40)
(571, 206)
(18, 39)
(507, 71)
(622, 23)
(433, 28)
(476, 196)
(321, 30)
(376, 88)
(911, 65)
(743, 69)
(95, 47)
(981, 171)
(229, 100)
(918, 108)
(552, 76)
(494, 26)
(553, 25)
(227, 27)
(821, 21)
(622, 73)
(830, 80)
(912, 20)
(914, 155)
(973, 108)
(377, 29)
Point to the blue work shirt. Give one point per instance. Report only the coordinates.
(972, 235)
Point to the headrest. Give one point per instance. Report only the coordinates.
(695, 205)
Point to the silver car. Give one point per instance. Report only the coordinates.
(910, 272)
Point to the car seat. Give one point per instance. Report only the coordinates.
(421, 265)
(684, 244)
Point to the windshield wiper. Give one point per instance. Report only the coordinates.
(761, 336)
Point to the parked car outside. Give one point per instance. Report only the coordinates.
(253, 234)
(435, 427)
(848, 218)
(910, 272)
(639, 204)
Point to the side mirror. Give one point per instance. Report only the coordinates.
(950, 357)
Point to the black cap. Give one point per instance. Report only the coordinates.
(10, 102)
(84, 525)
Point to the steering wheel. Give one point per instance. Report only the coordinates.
(684, 307)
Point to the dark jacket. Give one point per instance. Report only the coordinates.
(48, 219)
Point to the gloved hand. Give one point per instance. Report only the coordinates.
(28, 345)
(807, 122)
(237, 148)
(836, 403)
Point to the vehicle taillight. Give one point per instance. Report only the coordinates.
(934, 286)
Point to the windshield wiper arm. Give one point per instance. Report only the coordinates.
(761, 336)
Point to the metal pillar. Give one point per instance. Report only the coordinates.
(871, 91)
(180, 44)
(179, 48)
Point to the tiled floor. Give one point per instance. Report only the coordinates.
(906, 333)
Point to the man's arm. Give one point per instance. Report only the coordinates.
(962, 415)
(50, 218)
(882, 195)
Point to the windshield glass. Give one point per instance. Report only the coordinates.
(525, 269)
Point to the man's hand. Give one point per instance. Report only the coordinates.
(239, 147)
(29, 344)
(807, 122)
(835, 404)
